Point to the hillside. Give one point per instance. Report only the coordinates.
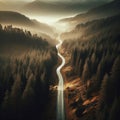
(19, 20)
(26, 65)
(93, 70)
(89, 28)
(14, 18)
(109, 9)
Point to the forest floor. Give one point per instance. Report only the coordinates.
(76, 105)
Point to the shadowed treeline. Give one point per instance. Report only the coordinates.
(25, 74)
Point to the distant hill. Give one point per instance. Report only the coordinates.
(102, 11)
(87, 30)
(11, 5)
(14, 18)
(19, 20)
(59, 7)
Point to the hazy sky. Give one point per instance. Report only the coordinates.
(54, 0)
(47, 12)
(16, 0)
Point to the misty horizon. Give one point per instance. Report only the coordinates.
(71, 8)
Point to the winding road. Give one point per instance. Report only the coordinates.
(60, 94)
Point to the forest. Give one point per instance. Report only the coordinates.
(59, 59)
(95, 58)
(26, 65)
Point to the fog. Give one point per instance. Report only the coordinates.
(49, 11)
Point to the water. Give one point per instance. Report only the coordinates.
(60, 94)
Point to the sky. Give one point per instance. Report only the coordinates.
(55, 0)
(15, 0)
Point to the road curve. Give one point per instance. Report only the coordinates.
(60, 94)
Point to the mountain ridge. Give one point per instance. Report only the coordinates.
(20, 20)
(50, 8)
(109, 9)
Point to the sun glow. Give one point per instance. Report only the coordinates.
(44, 19)
(52, 21)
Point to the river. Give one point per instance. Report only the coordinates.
(60, 93)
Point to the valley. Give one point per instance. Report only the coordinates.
(59, 60)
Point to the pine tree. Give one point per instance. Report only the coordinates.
(115, 76)
(115, 110)
(86, 71)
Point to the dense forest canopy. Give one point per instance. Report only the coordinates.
(26, 65)
(95, 58)
(85, 62)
